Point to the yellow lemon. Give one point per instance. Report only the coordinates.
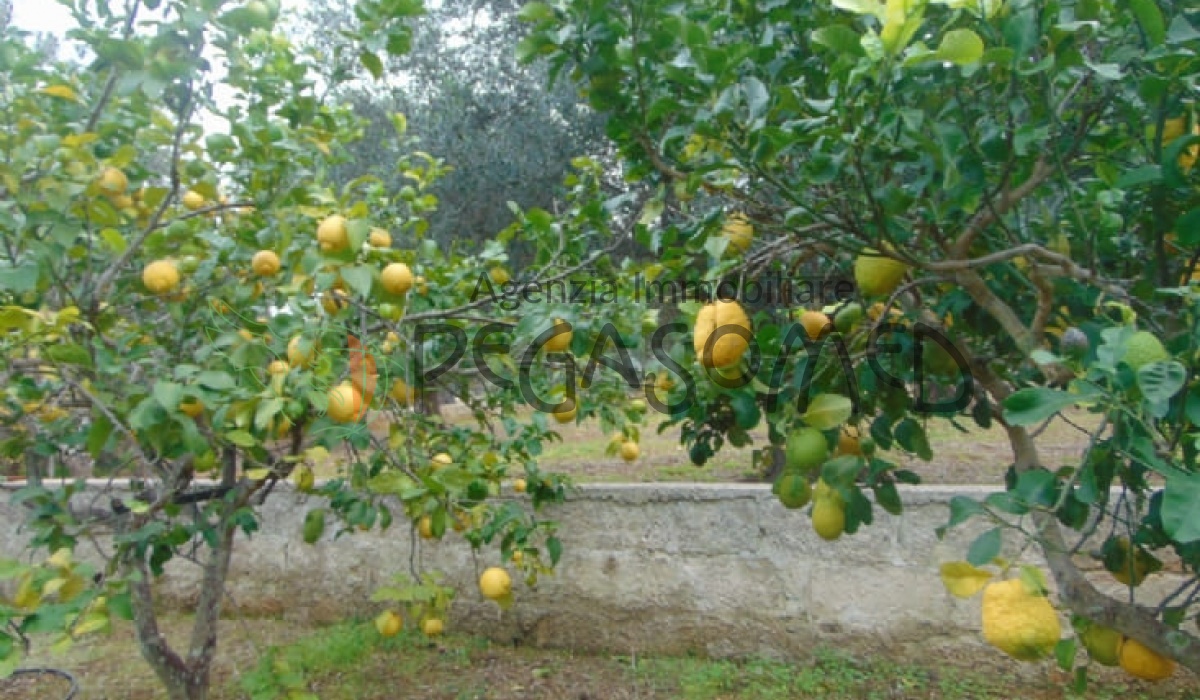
(298, 356)
(729, 321)
(433, 627)
(562, 341)
(495, 583)
(815, 324)
(113, 182)
(265, 263)
(332, 235)
(565, 411)
(192, 408)
(1141, 662)
(389, 623)
(630, 450)
(877, 275)
(396, 278)
(193, 200)
(1018, 622)
(160, 276)
(345, 404)
(380, 238)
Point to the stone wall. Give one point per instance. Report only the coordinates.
(722, 570)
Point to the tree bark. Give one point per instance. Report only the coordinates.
(184, 678)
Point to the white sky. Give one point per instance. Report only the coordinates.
(49, 16)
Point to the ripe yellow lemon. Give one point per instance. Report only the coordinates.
(332, 235)
(729, 321)
(299, 356)
(389, 623)
(877, 275)
(495, 583)
(433, 627)
(565, 411)
(265, 263)
(848, 443)
(402, 393)
(193, 200)
(499, 275)
(160, 276)
(380, 238)
(519, 486)
(1141, 662)
(278, 367)
(815, 324)
(739, 231)
(1018, 622)
(192, 408)
(113, 181)
(345, 404)
(442, 459)
(396, 278)
(630, 450)
(425, 527)
(334, 301)
(829, 517)
(562, 341)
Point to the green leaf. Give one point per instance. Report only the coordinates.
(1187, 228)
(1036, 488)
(1036, 404)
(20, 279)
(985, 548)
(862, 7)
(554, 549)
(1143, 175)
(168, 395)
(961, 46)
(911, 436)
(360, 278)
(390, 482)
(266, 412)
(1150, 19)
(69, 354)
(98, 435)
(535, 12)
(888, 497)
(1159, 381)
(217, 381)
(963, 509)
(839, 38)
(1064, 653)
(241, 438)
(1181, 508)
(114, 240)
(372, 63)
(745, 410)
(828, 411)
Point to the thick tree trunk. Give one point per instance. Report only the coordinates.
(183, 677)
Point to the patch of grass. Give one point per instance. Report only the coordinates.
(351, 661)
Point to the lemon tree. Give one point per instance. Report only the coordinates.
(1009, 190)
(192, 302)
